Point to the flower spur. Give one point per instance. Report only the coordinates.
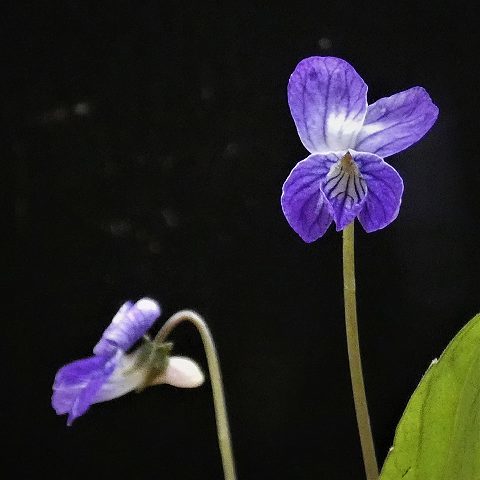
(112, 372)
(345, 175)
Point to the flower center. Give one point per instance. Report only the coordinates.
(348, 165)
(344, 182)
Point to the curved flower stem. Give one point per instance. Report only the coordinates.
(356, 374)
(223, 430)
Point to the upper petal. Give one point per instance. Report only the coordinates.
(128, 325)
(303, 202)
(328, 102)
(394, 123)
(385, 189)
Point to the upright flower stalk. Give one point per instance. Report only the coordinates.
(354, 358)
(223, 429)
(345, 177)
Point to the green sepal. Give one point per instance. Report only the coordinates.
(153, 359)
(438, 436)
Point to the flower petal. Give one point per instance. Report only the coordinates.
(328, 102)
(77, 384)
(345, 189)
(127, 376)
(394, 123)
(303, 202)
(128, 325)
(385, 189)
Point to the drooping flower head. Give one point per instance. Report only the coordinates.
(345, 175)
(113, 372)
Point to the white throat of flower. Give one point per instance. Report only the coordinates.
(180, 372)
(344, 180)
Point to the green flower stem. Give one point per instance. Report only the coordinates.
(355, 361)
(223, 430)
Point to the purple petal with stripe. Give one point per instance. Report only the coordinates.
(77, 384)
(345, 189)
(328, 102)
(303, 202)
(128, 326)
(394, 123)
(385, 189)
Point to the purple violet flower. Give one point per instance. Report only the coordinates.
(345, 176)
(112, 372)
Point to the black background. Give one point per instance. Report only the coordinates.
(150, 140)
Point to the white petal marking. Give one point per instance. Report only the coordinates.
(341, 131)
(124, 379)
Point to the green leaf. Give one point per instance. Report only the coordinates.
(438, 437)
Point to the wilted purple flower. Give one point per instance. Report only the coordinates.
(112, 372)
(345, 175)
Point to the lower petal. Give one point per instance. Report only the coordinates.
(345, 189)
(385, 189)
(303, 202)
(84, 398)
(77, 384)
